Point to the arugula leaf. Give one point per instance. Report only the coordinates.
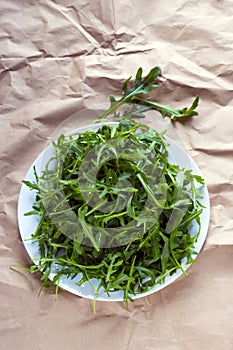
(143, 86)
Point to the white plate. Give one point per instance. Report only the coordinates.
(28, 224)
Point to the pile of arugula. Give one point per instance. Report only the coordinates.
(132, 264)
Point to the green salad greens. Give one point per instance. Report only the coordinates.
(127, 221)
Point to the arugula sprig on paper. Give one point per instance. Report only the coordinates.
(133, 96)
(167, 111)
